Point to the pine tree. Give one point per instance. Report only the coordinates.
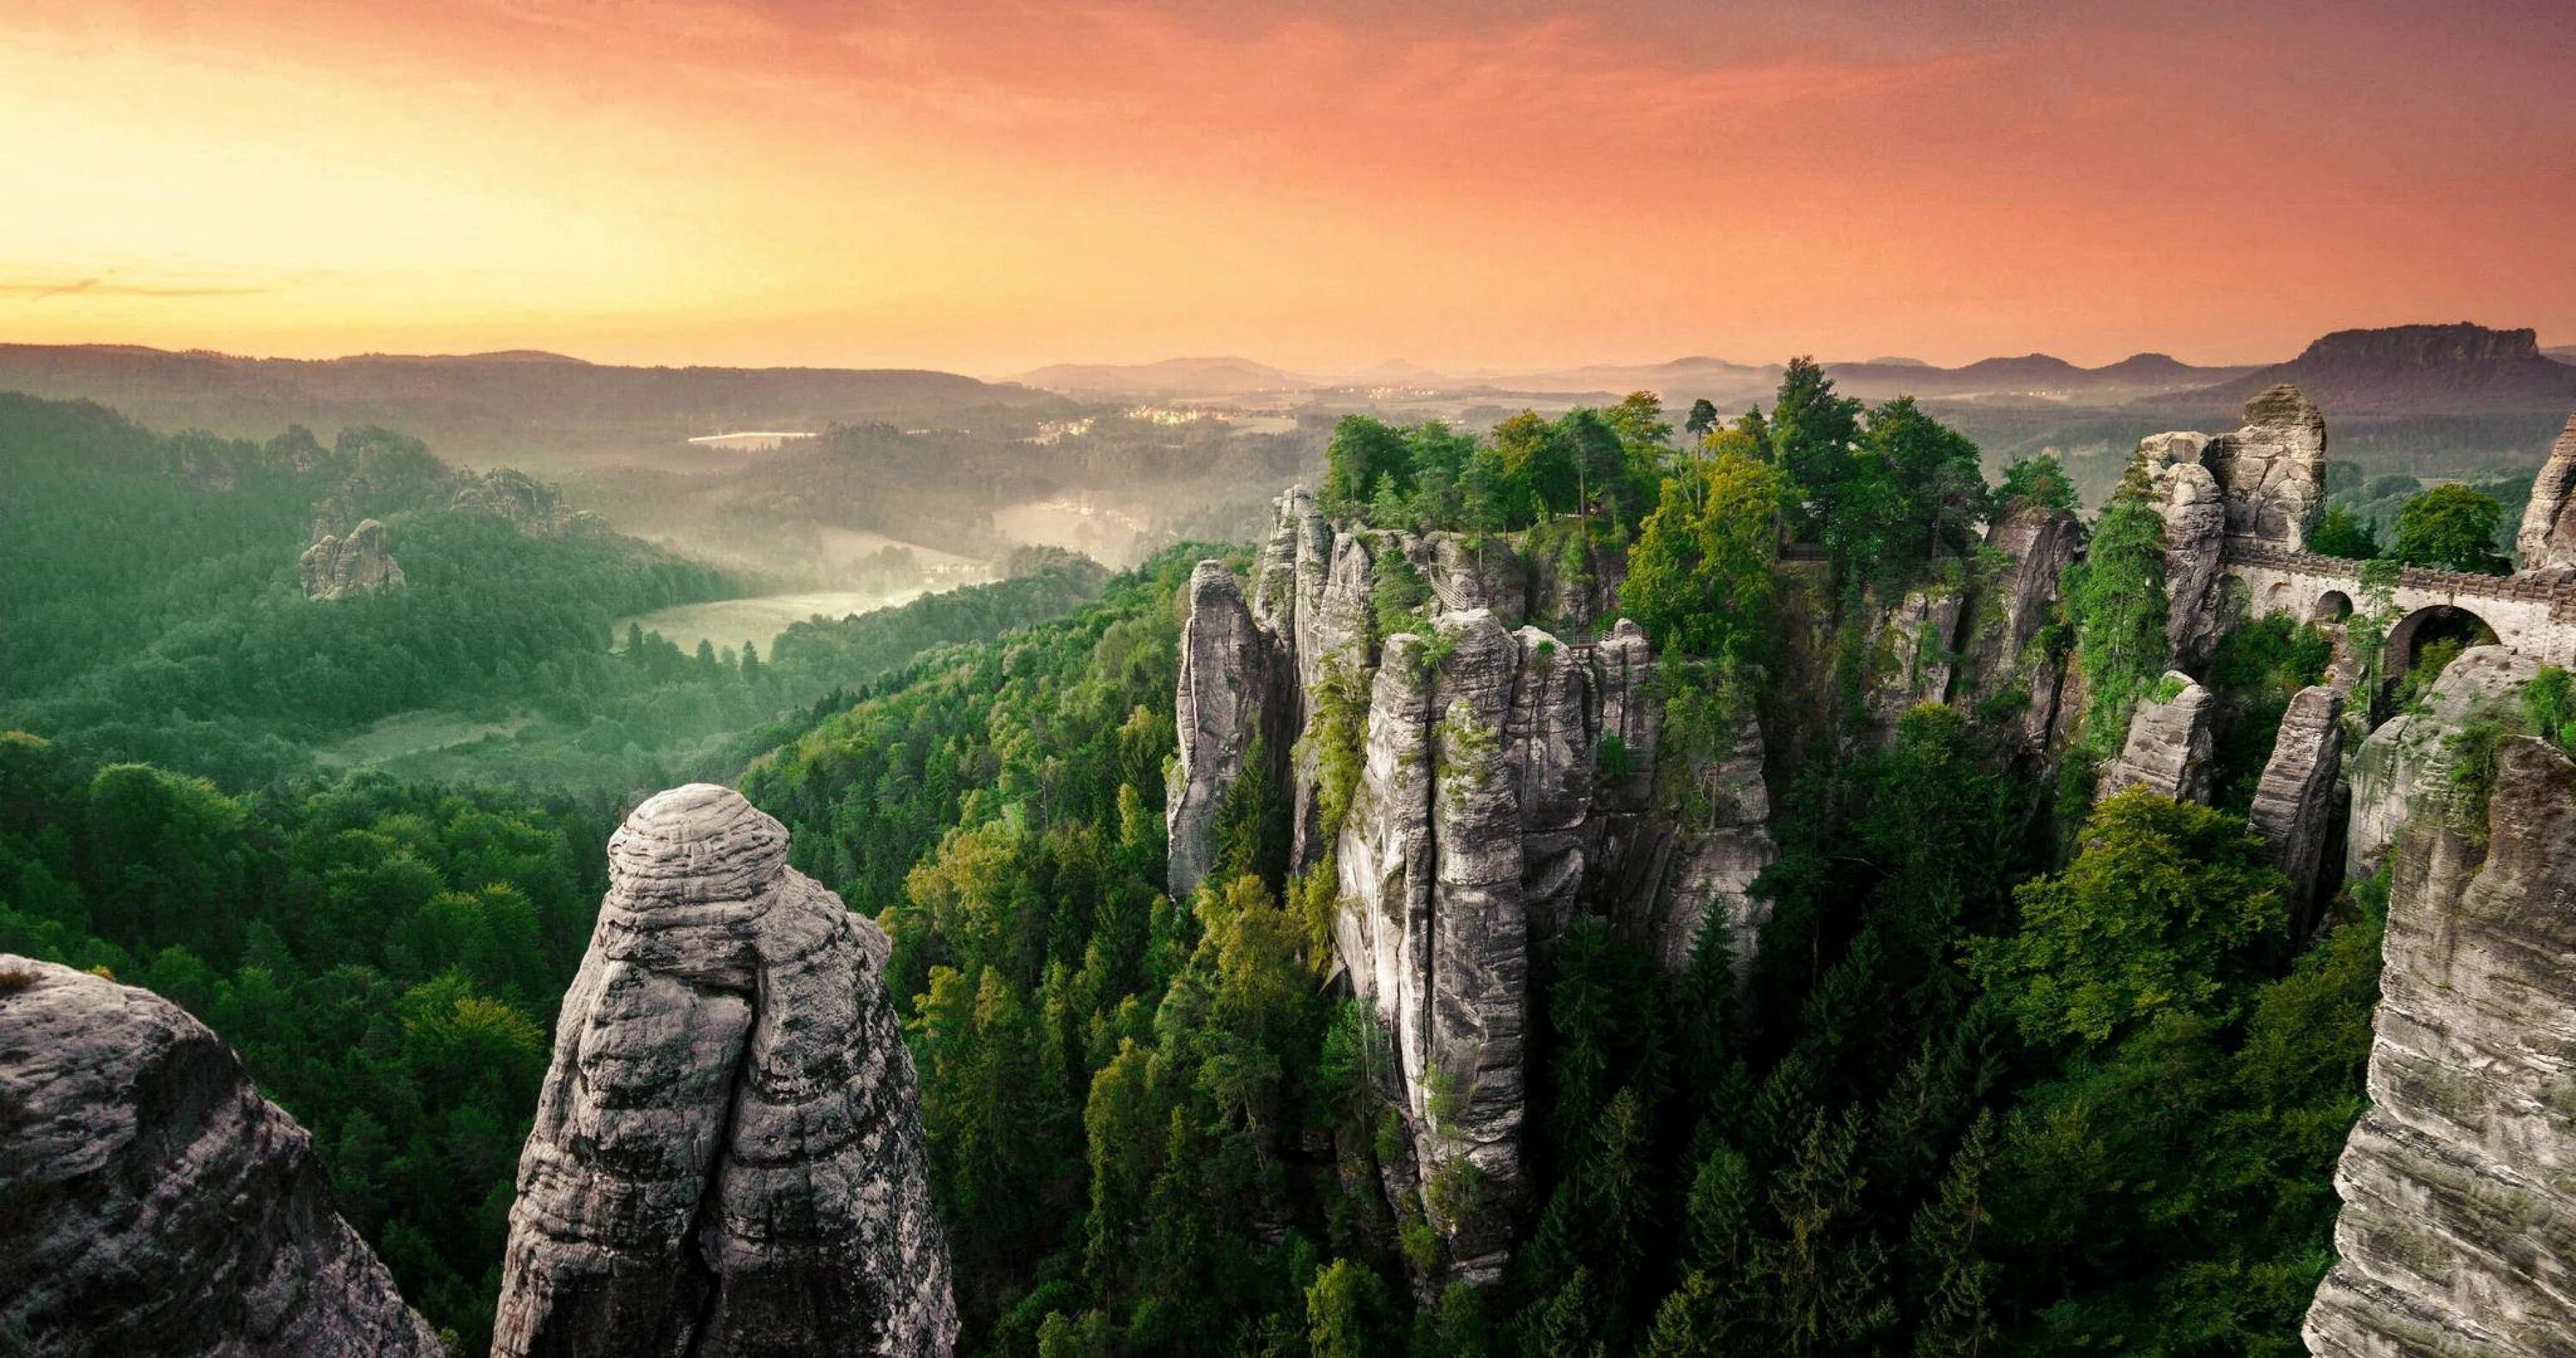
(1958, 1280)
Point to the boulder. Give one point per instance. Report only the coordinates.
(2294, 801)
(728, 1155)
(2169, 745)
(2458, 1228)
(2404, 767)
(152, 1202)
(338, 567)
(2547, 540)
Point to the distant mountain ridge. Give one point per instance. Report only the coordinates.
(2405, 369)
(484, 407)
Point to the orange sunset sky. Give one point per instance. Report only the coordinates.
(989, 186)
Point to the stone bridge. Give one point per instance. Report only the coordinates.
(2532, 613)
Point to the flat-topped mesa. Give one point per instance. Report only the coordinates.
(2459, 1183)
(152, 1202)
(728, 1156)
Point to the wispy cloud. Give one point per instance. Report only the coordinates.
(104, 285)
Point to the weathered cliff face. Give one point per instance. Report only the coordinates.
(728, 1156)
(2014, 604)
(2547, 539)
(2168, 747)
(1917, 649)
(2294, 802)
(1229, 701)
(337, 567)
(1506, 784)
(152, 1202)
(2260, 485)
(534, 507)
(2458, 1230)
(2403, 768)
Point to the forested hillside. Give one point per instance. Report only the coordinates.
(2012, 1072)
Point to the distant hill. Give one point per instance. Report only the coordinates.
(1226, 376)
(2030, 375)
(2564, 353)
(2413, 369)
(512, 405)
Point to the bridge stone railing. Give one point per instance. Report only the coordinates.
(2558, 592)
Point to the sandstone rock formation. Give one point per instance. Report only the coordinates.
(2261, 486)
(2547, 539)
(2013, 605)
(2169, 745)
(2403, 767)
(728, 1156)
(337, 567)
(2194, 508)
(1498, 782)
(2458, 1230)
(2273, 470)
(1917, 649)
(152, 1202)
(2294, 801)
(532, 506)
(1228, 703)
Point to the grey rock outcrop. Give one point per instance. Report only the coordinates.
(2458, 1229)
(2403, 767)
(152, 1202)
(2260, 485)
(2547, 539)
(2273, 470)
(534, 507)
(337, 567)
(1917, 646)
(2169, 745)
(2294, 800)
(1507, 783)
(2038, 544)
(1228, 702)
(728, 1156)
(2194, 508)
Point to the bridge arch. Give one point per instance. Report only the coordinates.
(2332, 606)
(2432, 625)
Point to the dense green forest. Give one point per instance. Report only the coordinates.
(154, 613)
(2015, 1073)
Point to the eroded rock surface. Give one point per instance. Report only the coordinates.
(2169, 745)
(2403, 767)
(1228, 702)
(2015, 603)
(2458, 1230)
(2547, 539)
(2294, 801)
(152, 1202)
(336, 567)
(728, 1156)
(2259, 486)
(1506, 785)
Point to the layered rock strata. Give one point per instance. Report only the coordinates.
(152, 1202)
(728, 1156)
(2260, 485)
(2403, 768)
(1475, 783)
(2294, 802)
(2168, 747)
(2547, 539)
(336, 567)
(2458, 1229)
